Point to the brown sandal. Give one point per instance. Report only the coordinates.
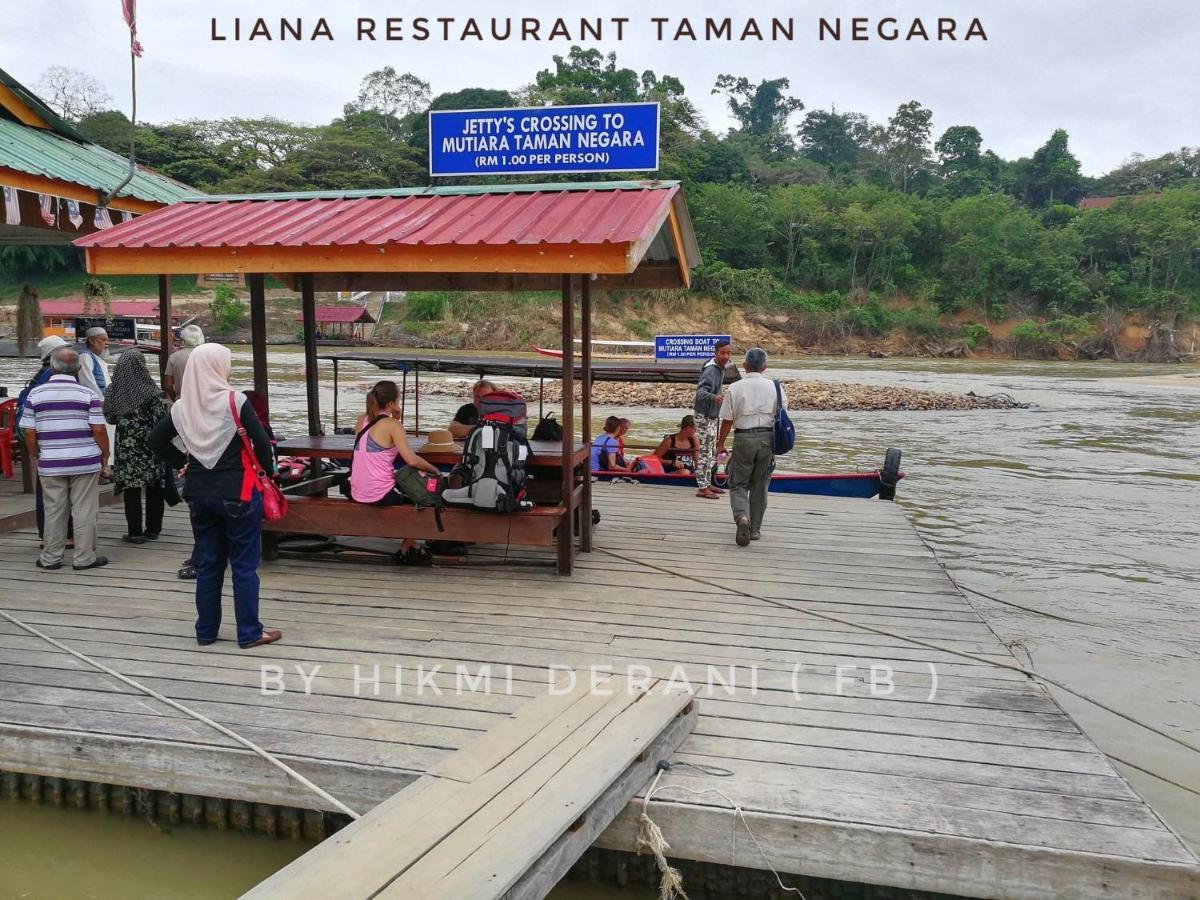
(707, 494)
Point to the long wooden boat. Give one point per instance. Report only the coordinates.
(864, 485)
(641, 351)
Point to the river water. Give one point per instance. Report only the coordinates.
(1085, 508)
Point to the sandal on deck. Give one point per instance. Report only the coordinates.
(415, 556)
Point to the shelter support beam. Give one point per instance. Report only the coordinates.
(165, 340)
(308, 298)
(258, 332)
(566, 536)
(585, 410)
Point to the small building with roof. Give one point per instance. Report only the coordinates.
(341, 323)
(54, 183)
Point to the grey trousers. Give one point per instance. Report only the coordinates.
(77, 497)
(749, 470)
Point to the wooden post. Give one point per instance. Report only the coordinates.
(585, 412)
(166, 342)
(258, 332)
(566, 530)
(308, 305)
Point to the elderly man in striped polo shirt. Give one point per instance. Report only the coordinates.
(64, 430)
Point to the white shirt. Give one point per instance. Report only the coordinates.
(87, 374)
(751, 402)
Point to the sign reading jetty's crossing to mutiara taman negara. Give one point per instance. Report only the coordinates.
(616, 137)
(686, 346)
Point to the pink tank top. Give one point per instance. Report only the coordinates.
(371, 472)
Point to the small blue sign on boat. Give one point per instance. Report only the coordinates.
(686, 346)
(609, 137)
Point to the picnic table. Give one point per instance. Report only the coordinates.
(542, 526)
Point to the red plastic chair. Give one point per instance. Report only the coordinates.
(8, 434)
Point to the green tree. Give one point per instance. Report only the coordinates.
(905, 144)
(762, 110)
(732, 224)
(833, 139)
(586, 76)
(110, 129)
(1053, 175)
(391, 94)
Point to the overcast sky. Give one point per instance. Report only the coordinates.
(1120, 76)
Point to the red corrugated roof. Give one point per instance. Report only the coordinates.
(340, 315)
(555, 216)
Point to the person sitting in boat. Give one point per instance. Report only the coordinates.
(621, 432)
(467, 416)
(606, 449)
(678, 451)
(376, 450)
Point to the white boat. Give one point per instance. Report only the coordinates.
(608, 350)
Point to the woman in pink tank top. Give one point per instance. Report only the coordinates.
(379, 442)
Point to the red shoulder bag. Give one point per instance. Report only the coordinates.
(274, 503)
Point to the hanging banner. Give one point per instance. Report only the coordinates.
(546, 140)
(119, 329)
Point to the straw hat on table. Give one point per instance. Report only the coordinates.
(440, 440)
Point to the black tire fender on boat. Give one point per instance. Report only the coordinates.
(889, 475)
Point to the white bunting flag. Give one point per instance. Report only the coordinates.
(12, 206)
(49, 207)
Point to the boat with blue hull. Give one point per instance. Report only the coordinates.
(864, 485)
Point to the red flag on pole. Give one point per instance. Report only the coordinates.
(129, 7)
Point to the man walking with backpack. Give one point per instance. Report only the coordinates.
(750, 410)
(707, 410)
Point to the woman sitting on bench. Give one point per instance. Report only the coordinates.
(376, 450)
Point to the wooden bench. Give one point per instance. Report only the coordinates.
(535, 527)
(508, 814)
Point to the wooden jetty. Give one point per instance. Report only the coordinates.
(509, 814)
(977, 786)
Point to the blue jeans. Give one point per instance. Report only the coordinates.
(227, 532)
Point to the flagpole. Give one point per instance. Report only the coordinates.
(106, 197)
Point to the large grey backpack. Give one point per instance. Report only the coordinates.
(492, 469)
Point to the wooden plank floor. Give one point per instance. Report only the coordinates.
(982, 787)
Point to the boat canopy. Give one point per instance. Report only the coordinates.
(527, 367)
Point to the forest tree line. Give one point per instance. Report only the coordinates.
(794, 207)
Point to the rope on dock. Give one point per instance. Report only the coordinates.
(651, 837)
(245, 742)
(928, 645)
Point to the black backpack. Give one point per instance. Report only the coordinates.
(548, 429)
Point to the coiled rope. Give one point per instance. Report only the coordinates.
(200, 717)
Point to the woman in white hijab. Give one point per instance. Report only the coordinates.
(221, 490)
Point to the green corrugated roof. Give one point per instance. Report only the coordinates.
(447, 190)
(37, 151)
(39, 107)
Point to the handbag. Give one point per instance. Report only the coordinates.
(421, 490)
(785, 433)
(274, 503)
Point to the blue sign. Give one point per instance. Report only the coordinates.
(613, 137)
(686, 346)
